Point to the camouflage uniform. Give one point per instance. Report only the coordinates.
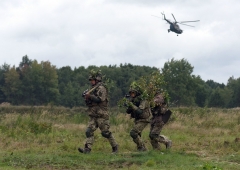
(157, 122)
(99, 118)
(141, 114)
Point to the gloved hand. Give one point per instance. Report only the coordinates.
(87, 96)
(131, 105)
(129, 110)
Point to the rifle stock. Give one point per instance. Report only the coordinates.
(86, 92)
(90, 91)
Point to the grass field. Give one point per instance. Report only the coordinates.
(48, 138)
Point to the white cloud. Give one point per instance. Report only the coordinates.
(82, 33)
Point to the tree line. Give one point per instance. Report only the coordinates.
(41, 83)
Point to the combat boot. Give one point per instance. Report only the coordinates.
(84, 150)
(168, 144)
(141, 149)
(115, 149)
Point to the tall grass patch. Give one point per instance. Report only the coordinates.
(48, 138)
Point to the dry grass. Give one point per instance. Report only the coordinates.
(175, 126)
(71, 127)
(210, 134)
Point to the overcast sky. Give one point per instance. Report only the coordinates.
(109, 32)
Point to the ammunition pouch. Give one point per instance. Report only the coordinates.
(88, 102)
(166, 116)
(104, 103)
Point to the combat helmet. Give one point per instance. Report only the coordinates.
(134, 87)
(95, 75)
(158, 98)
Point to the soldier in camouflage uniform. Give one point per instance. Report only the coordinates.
(160, 116)
(97, 103)
(139, 110)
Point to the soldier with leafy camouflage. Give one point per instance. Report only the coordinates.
(97, 101)
(160, 116)
(139, 109)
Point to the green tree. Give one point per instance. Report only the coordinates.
(25, 62)
(67, 96)
(214, 84)
(227, 95)
(12, 86)
(71, 85)
(201, 91)
(50, 82)
(179, 79)
(39, 83)
(65, 75)
(234, 85)
(3, 69)
(32, 80)
(216, 98)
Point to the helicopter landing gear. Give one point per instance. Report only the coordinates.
(168, 30)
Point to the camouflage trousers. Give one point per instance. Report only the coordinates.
(104, 125)
(155, 137)
(136, 131)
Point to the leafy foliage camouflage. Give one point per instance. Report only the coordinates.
(148, 86)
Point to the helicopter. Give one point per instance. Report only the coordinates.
(174, 27)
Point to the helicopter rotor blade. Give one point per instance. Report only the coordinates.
(186, 25)
(174, 18)
(156, 16)
(189, 21)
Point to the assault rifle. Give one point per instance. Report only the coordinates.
(85, 92)
(89, 91)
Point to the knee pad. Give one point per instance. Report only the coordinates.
(153, 136)
(133, 134)
(106, 134)
(89, 133)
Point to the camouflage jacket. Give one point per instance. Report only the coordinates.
(141, 105)
(161, 106)
(99, 96)
(159, 110)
